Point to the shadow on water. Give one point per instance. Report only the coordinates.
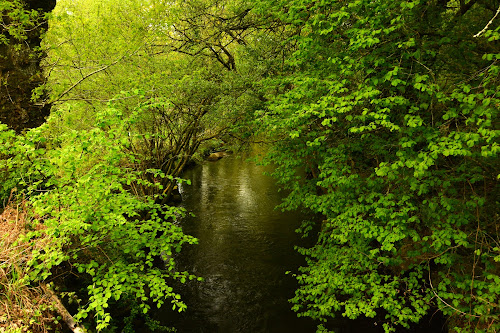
(245, 247)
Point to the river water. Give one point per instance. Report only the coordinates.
(245, 248)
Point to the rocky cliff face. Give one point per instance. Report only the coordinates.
(20, 74)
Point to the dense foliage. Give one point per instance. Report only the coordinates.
(388, 115)
(78, 185)
(381, 117)
(130, 110)
(17, 21)
(97, 51)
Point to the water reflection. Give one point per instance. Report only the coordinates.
(245, 247)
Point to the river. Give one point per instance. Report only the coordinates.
(245, 248)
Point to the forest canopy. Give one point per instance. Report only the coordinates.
(380, 117)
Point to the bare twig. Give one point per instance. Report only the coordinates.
(446, 303)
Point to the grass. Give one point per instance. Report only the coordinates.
(23, 307)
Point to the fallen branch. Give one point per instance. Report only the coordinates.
(61, 309)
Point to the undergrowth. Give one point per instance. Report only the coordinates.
(23, 307)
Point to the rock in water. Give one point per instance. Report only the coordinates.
(216, 156)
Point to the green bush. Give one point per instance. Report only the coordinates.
(386, 118)
(79, 185)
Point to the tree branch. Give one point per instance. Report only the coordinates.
(488, 24)
(465, 8)
(93, 73)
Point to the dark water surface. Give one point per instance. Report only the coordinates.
(245, 247)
